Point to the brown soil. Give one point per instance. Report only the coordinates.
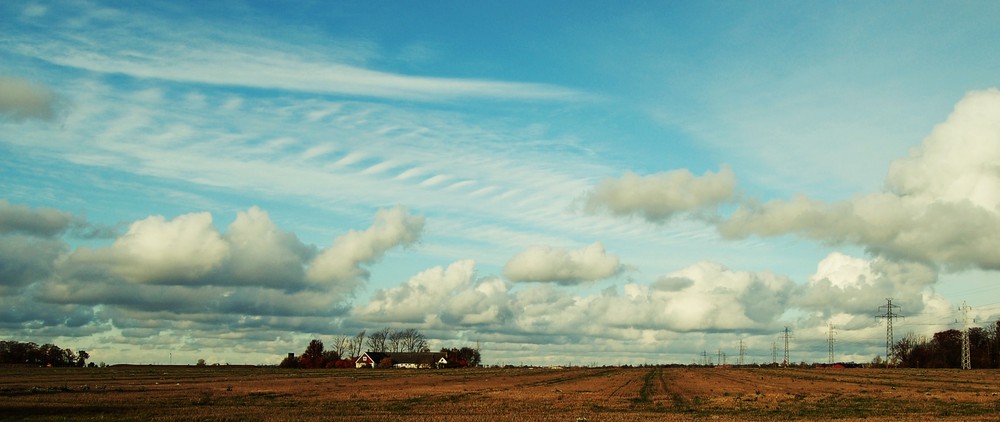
(593, 394)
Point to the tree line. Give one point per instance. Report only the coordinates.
(345, 349)
(15, 352)
(944, 349)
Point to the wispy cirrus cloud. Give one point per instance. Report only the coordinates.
(145, 46)
(294, 74)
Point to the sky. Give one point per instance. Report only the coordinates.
(560, 183)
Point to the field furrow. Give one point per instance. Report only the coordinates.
(670, 393)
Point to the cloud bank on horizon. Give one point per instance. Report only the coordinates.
(212, 193)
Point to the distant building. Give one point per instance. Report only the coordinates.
(369, 360)
(403, 360)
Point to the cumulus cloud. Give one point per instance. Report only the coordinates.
(658, 197)
(941, 205)
(155, 250)
(183, 269)
(715, 297)
(546, 264)
(959, 160)
(706, 297)
(439, 294)
(262, 254)
(21, 99)
(847, 285)
(342, 262)
(25, 260)
(44, 222)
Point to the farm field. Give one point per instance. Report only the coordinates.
(171, 393)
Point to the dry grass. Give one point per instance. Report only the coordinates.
(240, 393)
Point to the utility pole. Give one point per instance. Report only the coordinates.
(889, 316)
(966, 353)
(830, 341)
(786, 347)
(743, 353)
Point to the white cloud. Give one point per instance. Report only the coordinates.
(855, 286)
(259, 285)
(430, 295)
(547, 264)
(486, 303)
(713, 298)
(941, 207)
(658, 197)
(158, 251)
(959, 160)
(115, 42)
(22, 99)
(185, 267)
(296, 74)
(341, 263)
(262, 254)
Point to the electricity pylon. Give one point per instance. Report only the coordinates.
(966, 353)
(787, 336)
(830, 340)
(889, 316)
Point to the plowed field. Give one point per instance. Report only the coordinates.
(593, 394)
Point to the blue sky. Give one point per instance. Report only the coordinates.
(558, 181)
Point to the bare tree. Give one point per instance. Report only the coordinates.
(413, 341)
(376, 340)
(396, 341)
(342, 345)
(359, 342)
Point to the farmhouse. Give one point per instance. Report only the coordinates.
(402, 360)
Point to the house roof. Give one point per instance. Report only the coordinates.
(429, 358)
(374, 356)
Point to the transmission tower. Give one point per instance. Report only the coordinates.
(830, 340)
(774, 351)
(743, 353)
(888, 316)
(966, 353)
(787, 336)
